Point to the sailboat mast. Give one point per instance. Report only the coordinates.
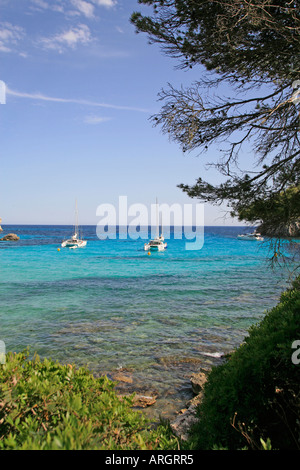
(161, 227)
(157, 226)
(76, 219)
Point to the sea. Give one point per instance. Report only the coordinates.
(147, 320)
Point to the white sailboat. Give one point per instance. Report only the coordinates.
(75, 241)
(158, 243)
(255, 236)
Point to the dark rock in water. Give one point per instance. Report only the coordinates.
(198, 379)
(10, 237)
(170, 361)
(142, 401)
(126, 385)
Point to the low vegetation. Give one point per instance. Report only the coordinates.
(48, 406)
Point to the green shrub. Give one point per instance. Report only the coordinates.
(47, 406)
(253, 398)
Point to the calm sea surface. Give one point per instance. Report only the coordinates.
(112, 307)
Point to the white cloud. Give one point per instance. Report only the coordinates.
(10, 35)
(42, 97)
(86, 8)
(40, 4)
(68, 39)
(78, 7)
(105, 3)
(96, 119)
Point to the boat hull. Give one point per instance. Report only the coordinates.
(250, 238)
(79, 245)
(155, 247)
(74, 244)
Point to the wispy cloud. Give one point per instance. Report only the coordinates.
(41, 97)
(84, 7)
(67, 39)
(96, 119)
(10, 36)
(40, 5)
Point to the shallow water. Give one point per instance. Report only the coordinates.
(112, 307)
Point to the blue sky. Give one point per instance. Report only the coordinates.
(80, 88)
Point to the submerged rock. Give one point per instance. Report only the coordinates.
(127, 386)
(10, 237)
(122, 377)
(142, 401)
(198, 379)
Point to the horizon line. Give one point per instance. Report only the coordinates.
(97, 225)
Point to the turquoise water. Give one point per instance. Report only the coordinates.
(112, 307)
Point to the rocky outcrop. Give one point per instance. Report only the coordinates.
(188, 416)
(10, 237)
(186, 419)
(198, 380)
(280, 231)
(143, 401)
(1, 229)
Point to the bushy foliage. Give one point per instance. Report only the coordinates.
(46, 406)
(253, 398)
(279, 213)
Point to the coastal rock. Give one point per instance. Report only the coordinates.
(143, 401)
(186, 418)
(10, 237)
(140, 401)
(1, 229)
(281, 230)
(198, 380)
